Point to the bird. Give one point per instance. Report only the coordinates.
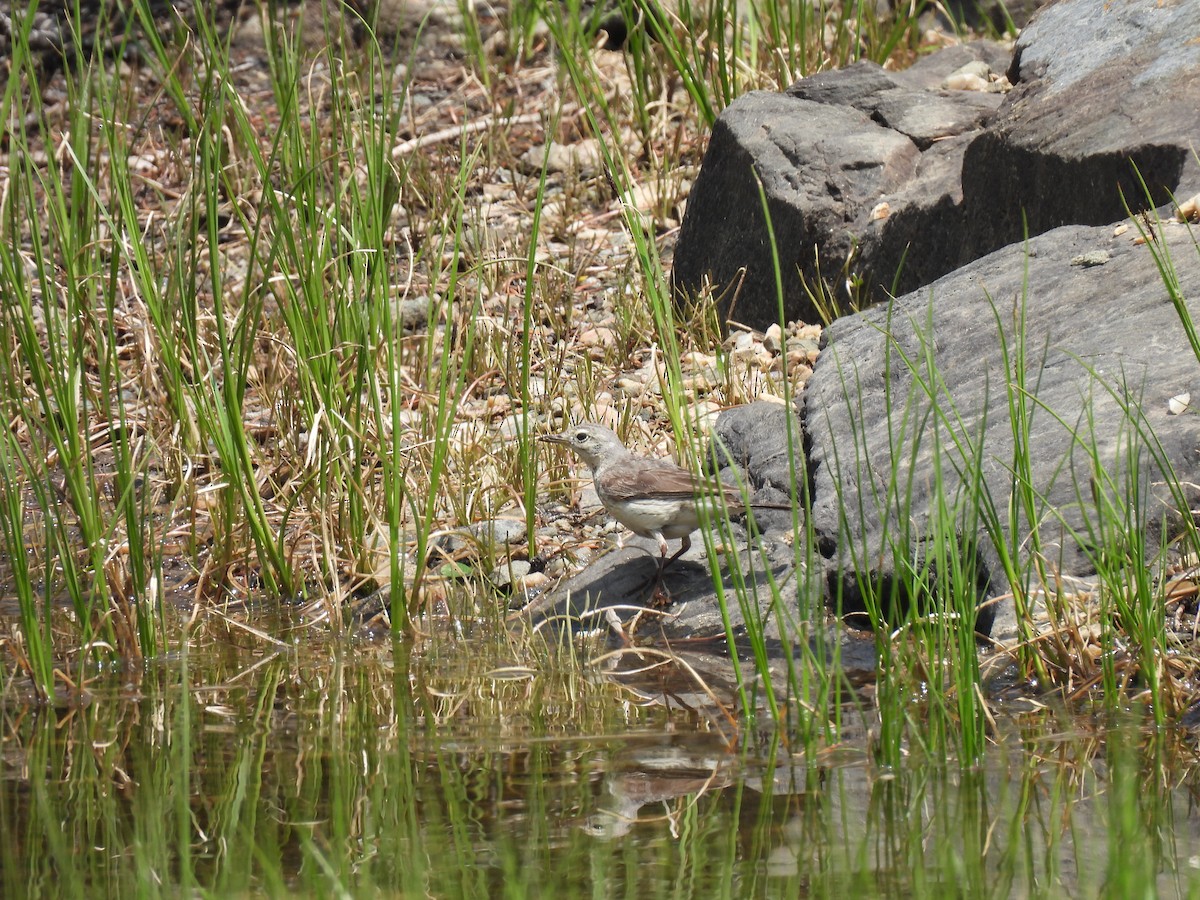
(653, 498)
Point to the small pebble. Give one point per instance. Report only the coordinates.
(600, 336)
(744, 355)
(808, 346)
(1189, 210)
(773, 340)
(532, 582)
(511, 427)
(965, 81)
(582, 157)
(740, 340)
(508, 573)
(1091, 258)
(412, 313)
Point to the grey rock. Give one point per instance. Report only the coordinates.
(582, 157)
(754, 439)
(1105, 352)
(855, 85)
(817, 165)
(623, 581)
(1104, 98)
(928, 117)
(1098, 90)
(826, 153)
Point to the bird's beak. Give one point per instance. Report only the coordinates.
(554, 438)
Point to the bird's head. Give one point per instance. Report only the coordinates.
(594, 443)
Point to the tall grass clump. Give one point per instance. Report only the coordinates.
(1136, 657)
(1014, 524)
(137, 358)
(79, 448)
(795, 607)
(328, 232)
(924, 612)
(314, 332)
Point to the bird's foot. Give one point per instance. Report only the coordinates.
(660, 597)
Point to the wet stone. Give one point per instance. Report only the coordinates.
(507, 575)
(489, 535)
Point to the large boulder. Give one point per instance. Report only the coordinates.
(1057, 370)
(859, 169)
(884, 181)
(1104, 99)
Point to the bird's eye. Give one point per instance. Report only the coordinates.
(580, 437)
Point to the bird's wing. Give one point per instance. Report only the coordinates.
(656, 478)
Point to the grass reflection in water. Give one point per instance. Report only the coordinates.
(355, 768)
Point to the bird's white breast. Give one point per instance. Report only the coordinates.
(672, 518)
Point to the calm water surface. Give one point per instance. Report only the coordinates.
(357, 768)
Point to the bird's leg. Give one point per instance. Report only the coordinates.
(662, 549)
(684, 546)
(660, 595)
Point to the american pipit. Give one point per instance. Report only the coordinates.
(651, 497)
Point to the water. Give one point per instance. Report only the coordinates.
(462, 770)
